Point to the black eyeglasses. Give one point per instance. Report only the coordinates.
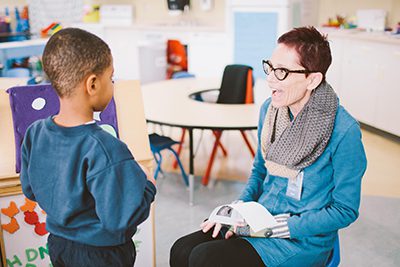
(281, 73)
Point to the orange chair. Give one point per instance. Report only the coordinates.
(176, 57)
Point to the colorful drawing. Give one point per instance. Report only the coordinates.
(40, 229)
(11, 210)
(31, 217)
(11, 227)
(28, 206)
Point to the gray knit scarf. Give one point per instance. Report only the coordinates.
(289, 146)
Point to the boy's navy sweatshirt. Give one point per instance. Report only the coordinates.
(87, 182)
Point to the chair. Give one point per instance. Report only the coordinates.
(236, 88)
(159, 143)
(33, 102)
(176, 57)
(181, 75)
(334, 258)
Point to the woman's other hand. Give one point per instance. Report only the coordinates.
(207, 225)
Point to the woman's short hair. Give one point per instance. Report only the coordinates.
(71, 55)
(312, 47)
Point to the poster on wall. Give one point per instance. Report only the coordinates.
(23, 225)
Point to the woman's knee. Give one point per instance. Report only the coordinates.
(179, 253)
(204, 255)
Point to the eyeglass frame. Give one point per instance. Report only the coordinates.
(285, 70)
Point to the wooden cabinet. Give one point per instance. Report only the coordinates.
(388, 91)
(359, 80)
(364, 73)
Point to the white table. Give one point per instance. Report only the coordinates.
(168, 103)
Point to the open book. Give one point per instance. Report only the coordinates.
(252, 213)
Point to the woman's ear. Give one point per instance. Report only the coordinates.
(92, 84)
(315, 79)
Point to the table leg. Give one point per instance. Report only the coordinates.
(191, 168)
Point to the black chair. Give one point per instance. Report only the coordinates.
(236, 88)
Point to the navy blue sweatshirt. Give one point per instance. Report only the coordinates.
(87, 182)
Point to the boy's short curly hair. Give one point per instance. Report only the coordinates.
(72, 54)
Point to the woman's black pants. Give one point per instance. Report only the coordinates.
(202, 250)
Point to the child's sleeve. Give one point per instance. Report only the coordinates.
(122, 195)
(24, 176)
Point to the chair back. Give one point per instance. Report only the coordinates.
(33, 102)
(237, 85)
(176, 57)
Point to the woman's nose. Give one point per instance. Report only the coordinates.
(271, 77)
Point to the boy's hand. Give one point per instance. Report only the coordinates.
(148, 175)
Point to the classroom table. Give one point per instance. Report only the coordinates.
(169, 103)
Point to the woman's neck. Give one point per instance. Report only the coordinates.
(296, 107)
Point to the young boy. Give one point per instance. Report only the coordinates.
(93, 191)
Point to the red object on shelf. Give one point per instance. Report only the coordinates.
(176, 57)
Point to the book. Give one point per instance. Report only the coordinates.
(251, 213)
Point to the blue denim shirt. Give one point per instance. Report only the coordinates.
(329, 201)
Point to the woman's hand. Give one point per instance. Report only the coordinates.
(207, 225)
(229, 234)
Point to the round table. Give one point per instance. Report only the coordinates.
(168, 103)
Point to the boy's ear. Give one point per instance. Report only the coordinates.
(315, 79)
(92, 84)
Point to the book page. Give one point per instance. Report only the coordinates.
(225, 215)
(255, 215)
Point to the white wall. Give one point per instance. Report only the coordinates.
(330, 8)
(154, 11)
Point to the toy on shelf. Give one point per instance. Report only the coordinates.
(22, 20)
(91, 14)
(5, 22)
(21, 31)
(50, 30)
(341, 22)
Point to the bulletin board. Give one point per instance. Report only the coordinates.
(23, 235)
(22, 219)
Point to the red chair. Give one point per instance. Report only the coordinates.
(236, 88)
(176, 58)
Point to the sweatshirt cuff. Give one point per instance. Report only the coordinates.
(151, 187)
(281, 230)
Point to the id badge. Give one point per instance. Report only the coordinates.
(294, 186)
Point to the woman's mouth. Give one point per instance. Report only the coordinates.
(276, 92)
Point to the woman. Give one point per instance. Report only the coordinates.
(307, 170)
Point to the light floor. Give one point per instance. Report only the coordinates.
(373, 240)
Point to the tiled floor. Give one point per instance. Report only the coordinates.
(373, 240)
